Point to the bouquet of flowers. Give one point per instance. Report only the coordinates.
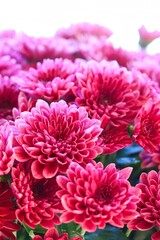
(79, 136)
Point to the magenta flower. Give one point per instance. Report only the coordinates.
(148, 206)
(105, 89)
(52, 234)
(51, 80)
(51, 137)
(7, 213)
(83, 31)
(36, 199)
(146, 130)
(9, 66)
(9, 92)
(6, 149)
(150, 159)
(94, 196)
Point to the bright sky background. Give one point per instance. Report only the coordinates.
(44, 17)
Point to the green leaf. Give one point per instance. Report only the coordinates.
(109, 233)
(71, 228)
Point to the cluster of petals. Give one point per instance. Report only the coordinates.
(105, 90)
(52, 234)
(6, 149)
(146, 37)
(94, 196)
(9, 92)
(9, 66)
(52, 136)
(149, 160)
(36, 199)
(50, 80)
(148, 206)
(7, 213)
(83, 31)
(146, 132)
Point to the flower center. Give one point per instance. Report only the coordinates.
(104, 194)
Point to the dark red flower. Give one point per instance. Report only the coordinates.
(7, 213)
(6, 149)
(52, 234)
(50, 80)
(146, 130)
(36, 199)
(149, 204)
(94, 196)
(53, 136)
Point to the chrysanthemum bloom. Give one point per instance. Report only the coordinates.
(149, 204)
(53, 136)
(104, 89)
(94, 196)
(51, 80)
(146, 37)
(150, 159)
(9, 66)
(25, 103)
(8, 97)
(6, 149)
(83, 31)
(146, 132)
(36, 200)
(7, 213)
(52, 234)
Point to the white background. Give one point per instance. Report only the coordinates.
(44, 17)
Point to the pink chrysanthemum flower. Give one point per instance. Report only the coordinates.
(51, 80)
(83, 31)
(53, 136)
(36, 199)
(146, 130)
(9, 66)
(150, 159)
(25, 103)
(105, 89)
(94, 196)
(149, 204)
(6, 149)
(8, 97)
(7, 213)
(52, 234)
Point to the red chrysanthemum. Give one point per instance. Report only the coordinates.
(94, 196)
(36, 199)
(52, 234)
(50, 80)
(149, 204)
(146, 130)
(53, 136)
(7, 213)
(8, 97)
(6, 149)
